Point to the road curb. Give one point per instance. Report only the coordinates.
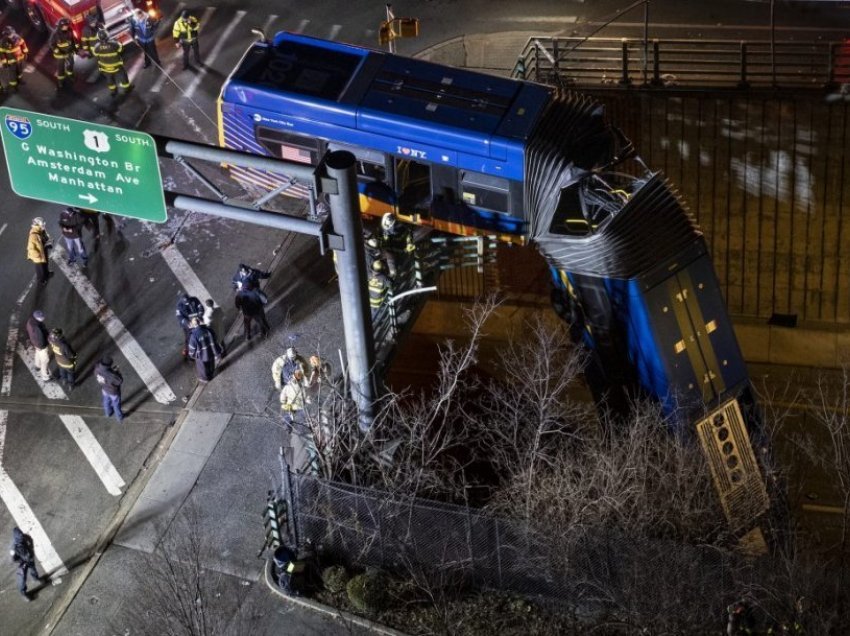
(321, 608)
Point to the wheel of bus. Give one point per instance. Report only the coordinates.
(36, 18)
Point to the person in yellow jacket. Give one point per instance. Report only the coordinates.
(63, 46)
(14, 49)
(38, 249)
(185, 33)
(109, 61)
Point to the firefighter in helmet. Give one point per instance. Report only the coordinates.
(109, 61)
(63, 46)
(14, 50)
(89, 35)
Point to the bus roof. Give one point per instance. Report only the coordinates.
(389, 95)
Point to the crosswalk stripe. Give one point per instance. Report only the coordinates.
(213, 55)
(131, 349)
(268, 23)
(51, 390)
(335, 29)
(94, 453)
(179, 266)
(172, 66)
(302, 25)
(12, 341)
(25, 518)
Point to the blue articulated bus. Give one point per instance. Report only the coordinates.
(471, 154)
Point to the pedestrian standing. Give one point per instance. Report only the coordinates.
(66, 357)
(214, 320)
(285, 366)
(110, 380)
(38, 249)
(143, 29)
(111, 63)
(71, 222)
(293, 397)
(185, 33)
(251, 303)
(23, 556)
(16, 48)
(38, 336)
(247, 275)
(188, 308)
(91, 220)
(63, 46)
(88, 38)
(204, 350)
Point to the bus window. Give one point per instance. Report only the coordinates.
(371, 164)
(484, 191)
(413, 184)
(288, 146)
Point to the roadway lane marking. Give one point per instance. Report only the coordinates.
(51, 390)
(172, 67)
(268, 23)
(12, 341)
(24, 516)
(179, 266)
(131, 349)
(335, 29)
(301, 26)
(3, 229)
(94, 453)
(213, 55)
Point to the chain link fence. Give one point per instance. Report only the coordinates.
(590, 571)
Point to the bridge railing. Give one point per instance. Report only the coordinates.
(684, 62)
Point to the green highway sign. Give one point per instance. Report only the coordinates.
(82, 164)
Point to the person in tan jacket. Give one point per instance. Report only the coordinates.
(38, 248)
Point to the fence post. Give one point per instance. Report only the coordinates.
(498, 553)
(742, 82)
(624, 80)
(536, 63)
(656, 63)
(830, 71)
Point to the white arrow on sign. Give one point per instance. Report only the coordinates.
(88, 197)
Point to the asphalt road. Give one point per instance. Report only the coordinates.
(65, 470)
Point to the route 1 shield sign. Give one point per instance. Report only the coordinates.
(78, 163)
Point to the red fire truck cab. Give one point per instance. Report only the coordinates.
(44, 14)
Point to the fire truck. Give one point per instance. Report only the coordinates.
(44, 14)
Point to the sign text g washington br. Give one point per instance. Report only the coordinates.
(82, 164)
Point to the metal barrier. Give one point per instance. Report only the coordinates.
(686, 63)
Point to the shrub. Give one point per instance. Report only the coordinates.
(335, 579)
(367, 592)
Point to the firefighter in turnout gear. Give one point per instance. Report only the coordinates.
(109, 61)
(14, 50)
(63, 46)
(89, 36)
(185, 34)
(379, 288)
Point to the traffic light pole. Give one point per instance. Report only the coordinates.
(339, 182)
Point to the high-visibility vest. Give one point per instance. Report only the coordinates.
(108, 56)
(186, 30)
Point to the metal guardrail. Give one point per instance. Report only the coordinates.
(686, 63)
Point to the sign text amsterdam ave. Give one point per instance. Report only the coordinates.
(82, 164)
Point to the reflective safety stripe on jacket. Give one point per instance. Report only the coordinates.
(89, 38)
(17, 48)
(186, 30)
(63, 46)
(108, 56)
(378, 287)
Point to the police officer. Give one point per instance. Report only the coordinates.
(204, 350)
(109, 61)
(247, 276)
(23, 556)
(188, 308)
(185, 34)
(63, 46)
(89, 35)
(14, 49)
(143, 29)
(66, 357)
